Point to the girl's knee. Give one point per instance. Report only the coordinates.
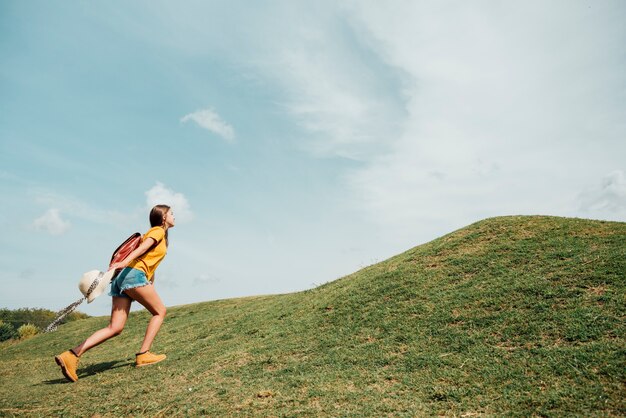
(158, 311)
(116, 329)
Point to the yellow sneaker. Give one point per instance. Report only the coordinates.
(69, 363)
(147, 358)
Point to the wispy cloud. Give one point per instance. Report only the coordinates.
(346, 98)
(608, 196)
(493, 111)
(471, 117)
(165, 280)
(211, 121)
(205, 280)
(77, 207)
(161, 194)
(346, 113)
(51, 222)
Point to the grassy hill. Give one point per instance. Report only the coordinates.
(508, 316)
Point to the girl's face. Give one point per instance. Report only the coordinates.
(169, 220)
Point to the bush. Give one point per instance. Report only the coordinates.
(6, 331)
(27, 331)
(36, 316)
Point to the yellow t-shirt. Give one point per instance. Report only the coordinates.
(150, 260)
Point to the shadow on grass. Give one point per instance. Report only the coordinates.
(89, 371)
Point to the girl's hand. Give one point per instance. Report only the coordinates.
(118, 266)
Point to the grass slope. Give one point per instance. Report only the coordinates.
(510, 315)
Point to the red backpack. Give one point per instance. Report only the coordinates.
(126, 248)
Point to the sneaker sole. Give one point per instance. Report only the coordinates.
(149, 364)
(61, 363)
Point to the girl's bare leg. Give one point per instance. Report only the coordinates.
(119, 314)
(148, 297)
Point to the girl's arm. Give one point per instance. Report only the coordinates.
(138, 252)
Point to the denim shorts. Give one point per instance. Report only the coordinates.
(129, 278)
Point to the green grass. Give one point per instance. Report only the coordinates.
(512, 316)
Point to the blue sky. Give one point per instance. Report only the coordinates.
(296, 141)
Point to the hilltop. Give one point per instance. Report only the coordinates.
(512, 315)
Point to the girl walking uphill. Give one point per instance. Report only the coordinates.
(134, 282)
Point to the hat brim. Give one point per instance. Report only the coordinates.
(105, 280)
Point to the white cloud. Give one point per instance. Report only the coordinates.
(51, 222)
(609, 196)
(160, 194)
(211, 121)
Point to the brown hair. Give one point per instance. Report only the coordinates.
(157, 218)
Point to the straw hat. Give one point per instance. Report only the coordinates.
(93, 283)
